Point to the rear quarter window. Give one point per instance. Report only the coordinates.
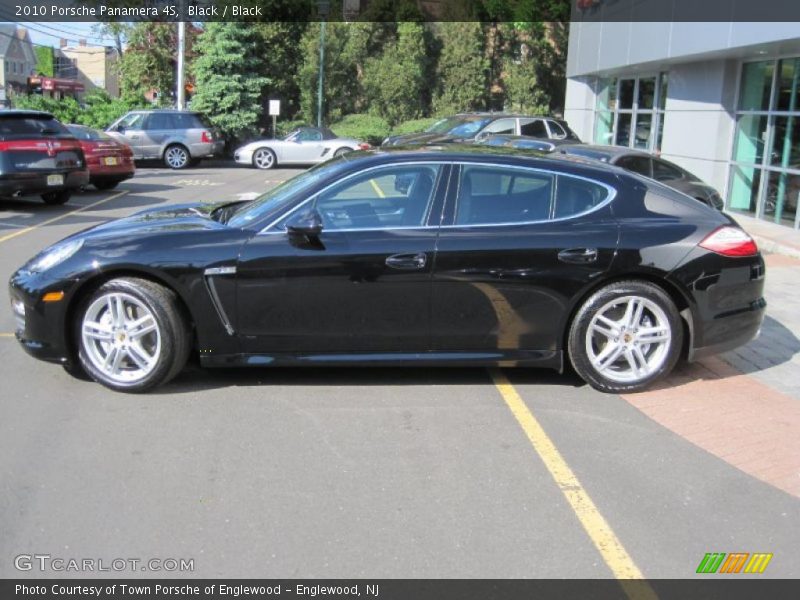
(575, 196)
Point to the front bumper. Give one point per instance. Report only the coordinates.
(243, 157)
(35, 183)
(41, 327)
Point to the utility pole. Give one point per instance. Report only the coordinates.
(323, 7)
(181, 90)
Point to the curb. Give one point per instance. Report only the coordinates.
(772, 247)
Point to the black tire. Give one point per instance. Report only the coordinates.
(108, 184)
(57, 198)
(264, 159)
(177, 157)
(342, 151)
(175, 342)
(669, 351)
(75, 369)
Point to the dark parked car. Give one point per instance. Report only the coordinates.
(179, 138)
(471, 127)
(650, 166)
(108, 160)
(460, 256)
(523, 142)
(39, 157)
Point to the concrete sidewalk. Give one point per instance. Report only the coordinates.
(771, 238)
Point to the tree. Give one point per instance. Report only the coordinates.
(462, 79)
(149, 61)
(394, 82)
(282, 59)
(528, 65)
(229, 78)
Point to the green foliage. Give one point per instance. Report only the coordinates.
(282, 59)
(284, 128)
(394, 82)
(413, 126)
(149, 61)
(99, 109)
(462, 74)
(368, 128)
(230, 90)
(44, 61)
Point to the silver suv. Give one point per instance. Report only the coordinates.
(179, 138)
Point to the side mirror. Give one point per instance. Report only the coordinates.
(307, 223)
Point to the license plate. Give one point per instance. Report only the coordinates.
(110, 161)
(55, 180)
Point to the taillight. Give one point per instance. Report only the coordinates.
(206, 137)
(364, 146)
(730, 241)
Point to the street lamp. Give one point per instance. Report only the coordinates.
(323, 8)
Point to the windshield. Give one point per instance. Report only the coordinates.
(459, 126)
(272, 202)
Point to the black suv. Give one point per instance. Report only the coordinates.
(472, 127)
(39, 156)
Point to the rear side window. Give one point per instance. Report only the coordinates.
(16, 127)
(158, 121)
(187, 121)
(575, 196)
(492, 195)
(504, 126)
(534, 128)
(556, 130)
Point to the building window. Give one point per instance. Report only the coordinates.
(630, 111)
(765, 177)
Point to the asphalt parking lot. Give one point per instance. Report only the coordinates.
(396, 473)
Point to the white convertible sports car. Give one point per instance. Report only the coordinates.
(304, 146)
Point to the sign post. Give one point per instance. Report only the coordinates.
(274, 111)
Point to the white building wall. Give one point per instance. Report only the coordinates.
(579, 107)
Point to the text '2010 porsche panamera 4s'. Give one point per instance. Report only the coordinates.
(436, 256)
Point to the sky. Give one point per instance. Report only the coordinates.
(49, 33)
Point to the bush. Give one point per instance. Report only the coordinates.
(367, 128)
(413, 126)
(99, 110)
(284, 128)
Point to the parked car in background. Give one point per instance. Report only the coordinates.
(469, 256)
(303, 146)
(179, 138)
(109, 161)
(39, 157)
(522, 142)
(650, 166)
(471, 127)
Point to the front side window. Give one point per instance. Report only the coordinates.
(308, 135)
(132, 121)
(385, 198)
(501, 126)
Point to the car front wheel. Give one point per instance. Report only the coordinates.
(625, 337)
(263, 158)
(131, 335)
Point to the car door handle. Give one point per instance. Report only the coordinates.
(579, 256)
(134, 137)
(410, 262)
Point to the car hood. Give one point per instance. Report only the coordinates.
(175, 218)
(425, 138)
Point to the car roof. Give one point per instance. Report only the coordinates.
(501, 115)
(25, 113)
(164, 110)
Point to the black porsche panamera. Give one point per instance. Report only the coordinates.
(434, 256)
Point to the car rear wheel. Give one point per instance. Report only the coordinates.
(131, 335)
(106, 185)
(263, 158)
(177, 157)
(56, 198)
(625, 337)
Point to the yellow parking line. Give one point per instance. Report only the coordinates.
(377, 188)
(19, 232)
(605, 540)
(6, 335)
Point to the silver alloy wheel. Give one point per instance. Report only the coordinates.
(628, 339)
(263, 158)
(176, 157)
(121, 337)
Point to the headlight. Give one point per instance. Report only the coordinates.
(54, 255)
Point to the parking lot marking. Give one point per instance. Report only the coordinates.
(4, 334)
(605, 540)
(20, 232)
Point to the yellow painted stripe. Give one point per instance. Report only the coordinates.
(377, 188)
(8, 335)
(605, 540)
(20, 232)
